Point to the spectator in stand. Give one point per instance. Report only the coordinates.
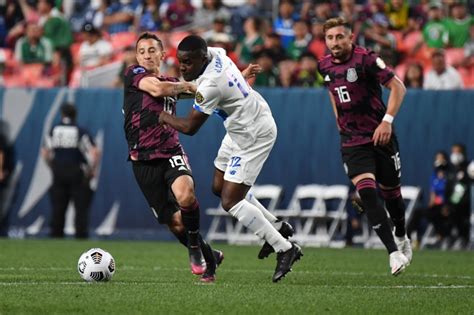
(119, 16)
(317, 46)
(95, 13)
(468, 61)
(10, 15)
(147, 16)
(220, 30)
(418, 14)
(205, 16)
(307, 75)
(378, 38)
(435, 31)
(272, 42)
(320, 10)
(94, 50)
(351, 13)
(57, 29)
(33, 47)
(75, 12)
(252, 40)
(458, 196)
(179, 14)
(269, 76)
(371, 8)
(442, 76)
(301, 41)
(414, 76)
(458, 24)
(240, 14)
(436, 212)
(15, 16)
(398, 12)
(224, 40)
(283, 24)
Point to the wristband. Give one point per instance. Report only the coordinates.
(388, 118)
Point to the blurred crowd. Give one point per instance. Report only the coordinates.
(46, 43)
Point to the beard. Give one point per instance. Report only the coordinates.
(340, 54)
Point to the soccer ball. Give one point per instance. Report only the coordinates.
(96, 265)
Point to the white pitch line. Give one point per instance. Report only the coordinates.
(158, 268)
(376, 287)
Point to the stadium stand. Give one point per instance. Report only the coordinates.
(410, 43)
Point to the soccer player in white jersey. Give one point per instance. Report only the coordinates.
(251, 133)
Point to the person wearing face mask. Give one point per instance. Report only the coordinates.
(458, 197)
(435, 213)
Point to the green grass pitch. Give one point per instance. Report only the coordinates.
(40, 277)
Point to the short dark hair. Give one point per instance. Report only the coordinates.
(148, 35)
(309, 55)
(69, 110)
(335, 22)
(193, 43)
(461, 146)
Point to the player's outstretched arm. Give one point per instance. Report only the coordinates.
(383, 133)
(189, 125)
(157, 88)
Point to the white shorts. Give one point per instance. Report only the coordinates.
(244, 166)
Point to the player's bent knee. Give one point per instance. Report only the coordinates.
(185, 198)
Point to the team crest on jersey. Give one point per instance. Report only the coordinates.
(351, 75)
(380, 63)
(199, 98)
(139, 70)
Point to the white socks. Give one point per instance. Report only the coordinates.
(267, 214)
(251, 217)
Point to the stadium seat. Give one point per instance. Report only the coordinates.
(32, 73)
(318, 223)
(454, 56)
(409, 42)
(75, 47)
(176, 37)
(14, 80)
(467, 75)
(122, 40)
(411, 195)
(267, 195)
(400, 70)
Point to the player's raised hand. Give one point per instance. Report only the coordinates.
(251, 71)
(382, 134)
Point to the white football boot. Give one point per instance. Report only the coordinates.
(404, 245)
(398, 262)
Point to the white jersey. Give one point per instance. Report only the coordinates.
(222, 90)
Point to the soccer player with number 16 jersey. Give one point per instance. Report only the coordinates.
(354, 75)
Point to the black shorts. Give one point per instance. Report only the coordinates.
(155, 178)
(382, 161)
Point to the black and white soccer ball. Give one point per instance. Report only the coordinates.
(96, 265)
